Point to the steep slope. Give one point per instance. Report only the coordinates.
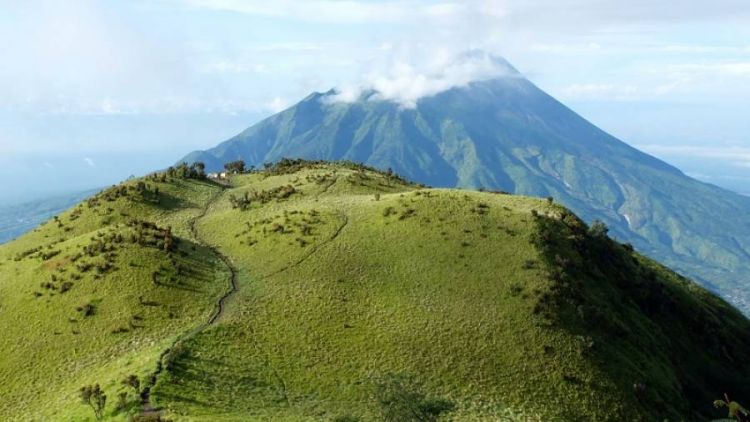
(507, 134)
(98, 292)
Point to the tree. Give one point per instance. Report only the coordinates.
(389, 175)
(598, 229)
(198, 170)
(93, 395)
(235, 166)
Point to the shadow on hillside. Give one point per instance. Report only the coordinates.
(673, 346)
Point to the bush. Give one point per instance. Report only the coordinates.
(87, 310)
(598, 229)
(93, 396)
(235, 166)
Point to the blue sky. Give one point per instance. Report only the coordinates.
(93, 91)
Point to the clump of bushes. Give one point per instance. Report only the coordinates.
(278, 193)
(151, 235)
(184, 171)
(406, 213)
(481, 208)
(21, 255)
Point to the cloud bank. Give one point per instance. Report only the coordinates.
(406, 82)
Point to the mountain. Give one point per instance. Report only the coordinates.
(17, 219)
(332, 292)
(507, 134)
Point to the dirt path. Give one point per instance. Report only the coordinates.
(147, 408)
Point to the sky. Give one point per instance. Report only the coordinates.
(92, 92)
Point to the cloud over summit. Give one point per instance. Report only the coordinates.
(405, 81)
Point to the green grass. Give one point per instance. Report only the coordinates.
(52, 349)
(505, 306)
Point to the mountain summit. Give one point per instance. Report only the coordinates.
(507, 134)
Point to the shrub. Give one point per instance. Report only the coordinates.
(598, 229)
(237, 166)
(133, 382)
(87, 310)
(93, 396)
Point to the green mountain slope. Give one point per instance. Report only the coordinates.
(507, 134)
(93, 296)
(348, 282)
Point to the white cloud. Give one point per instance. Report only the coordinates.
(570, 13)
(708, 77)
(716, 69)
(405, 82)
(227, 66)
(737, 155)
(334, 11)
(562, 48)
(701, 49)
(277, 104)
(600, 91)
(89, 161)
(311, 10)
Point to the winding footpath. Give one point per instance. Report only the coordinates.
(147, 408)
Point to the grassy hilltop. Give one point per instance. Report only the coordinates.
(318, 291)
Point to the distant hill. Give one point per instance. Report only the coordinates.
(333, 292)
(507, 134)
(16, 219)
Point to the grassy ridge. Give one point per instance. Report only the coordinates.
(471, 293)
(84, 300)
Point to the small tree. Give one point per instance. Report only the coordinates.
(93, 395)
(235, 166)
(598, 229)
(389, 175)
